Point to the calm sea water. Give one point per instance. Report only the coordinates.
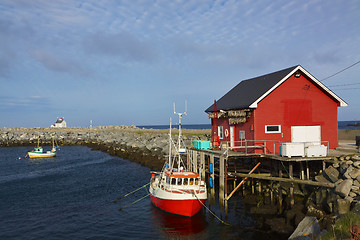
(71, 197)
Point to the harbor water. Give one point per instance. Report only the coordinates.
(72, 196)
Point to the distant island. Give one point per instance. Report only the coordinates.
(354, 124)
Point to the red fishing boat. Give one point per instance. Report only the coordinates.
(178, 189)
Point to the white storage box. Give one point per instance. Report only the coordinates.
(316, 151)
(292, 149)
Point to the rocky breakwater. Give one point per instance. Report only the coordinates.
(148, 147)
(344, 173)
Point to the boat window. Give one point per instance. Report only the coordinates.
(196, 181)
(179, 181)
(173, 181)
(191, 181)
(185, 181)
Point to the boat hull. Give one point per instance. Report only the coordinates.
(183, 207)
(41, 155)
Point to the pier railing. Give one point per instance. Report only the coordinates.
(269, 147)
(252, 146)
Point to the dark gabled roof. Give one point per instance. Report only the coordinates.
(59, 120)
(248, 91)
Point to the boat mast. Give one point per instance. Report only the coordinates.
(179, 137)
(170, 143)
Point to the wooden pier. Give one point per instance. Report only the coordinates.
(231, 166)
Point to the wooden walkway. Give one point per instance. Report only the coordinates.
(230, 165)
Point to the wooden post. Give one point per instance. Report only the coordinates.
(302, 174)
(307, 171)
(202, 165)
(226, 180)
(280, 199)
(291, 186)
(290, 170)
(191, 160)
(259, 183)
(212, 175)
(271, 193)
(253, 186)
(280, 169)
(194, 162)
(221, 182)
(188, 159)
(235, 173)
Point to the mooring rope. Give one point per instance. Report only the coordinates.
(115, 201)
(134, 202)
(222, 221)
(286, 170)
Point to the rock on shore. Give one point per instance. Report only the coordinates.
(345, 174)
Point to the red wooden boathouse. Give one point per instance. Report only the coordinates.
(289, 105)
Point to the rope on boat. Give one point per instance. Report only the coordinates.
(134, 202)
(115, 201)
(222, 221)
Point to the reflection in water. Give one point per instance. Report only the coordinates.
(173, 225)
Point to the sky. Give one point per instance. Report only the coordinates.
(126, 62)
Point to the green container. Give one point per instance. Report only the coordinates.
(198, 144)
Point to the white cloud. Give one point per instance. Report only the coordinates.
(57, 64)
(121, 44)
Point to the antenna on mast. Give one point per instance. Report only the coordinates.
(179, 148)
(183, 113)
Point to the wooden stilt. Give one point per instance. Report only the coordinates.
(292, 201)
(194, 162)
(307, 171)
(302, 174)
(280, 199)
(212, 190)
(243, 190)
(188, 157)
(252, 186)
(235, 174)
(221, 181)
(259, 185)
(226, 186)
(226, 178)
(202, 165)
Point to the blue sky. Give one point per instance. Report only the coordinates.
(126, 62)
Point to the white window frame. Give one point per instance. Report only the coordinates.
(221, 132)
(278, 131)
(242, 135)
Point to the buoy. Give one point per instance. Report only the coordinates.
(210, 182)
(211, 168)
(19, 158)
